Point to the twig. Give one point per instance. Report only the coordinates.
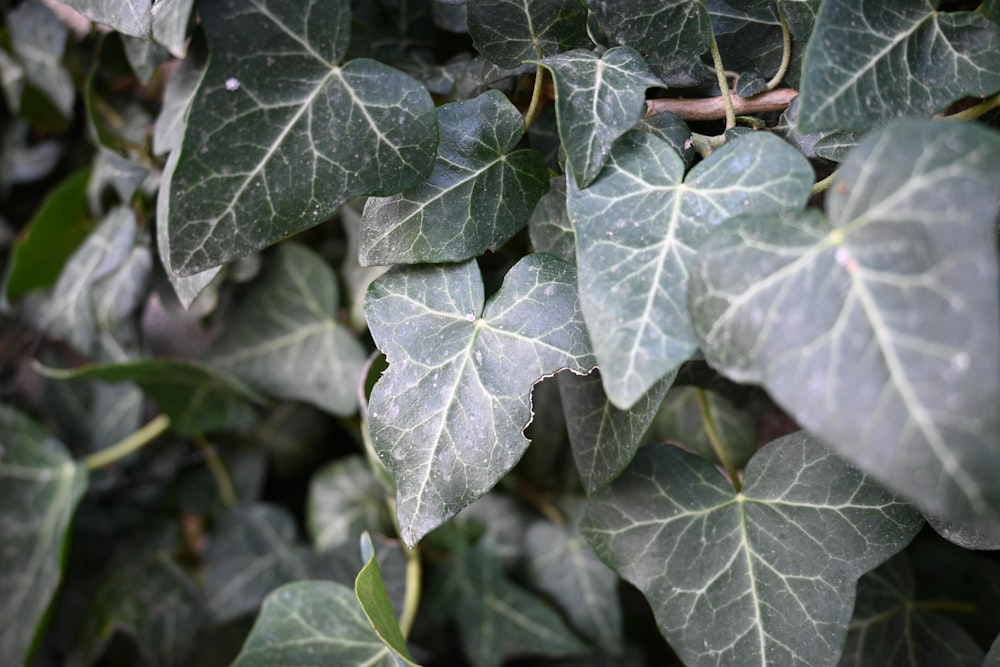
(714, 108)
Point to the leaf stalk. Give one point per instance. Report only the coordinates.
(718, 446)
(132, 443)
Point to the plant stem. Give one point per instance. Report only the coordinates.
(714, 108)
(715, 439)
(720, 73)
(946, 605)
(978, 110)
(536, 97)
(704, 145)
(786, 55)
(134, 442)
(223, 482)
(823, 184)
(411, 601)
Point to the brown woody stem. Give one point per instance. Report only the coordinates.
(714, 108)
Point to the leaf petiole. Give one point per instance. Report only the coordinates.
(718, 446)
(132, 443)
(786, 55)
(720, 72)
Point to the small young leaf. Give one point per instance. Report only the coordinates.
(509, 32)
(598, 99)
(39, 489)
(636, 230)
(374, 600)
(479, 195)
(877, 330)
(893, 61)
(344, 501)
(447, 416)
(760, 577)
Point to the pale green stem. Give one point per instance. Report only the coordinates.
(716, 440)
(720, 73)
(536, 97)
(823, 184)
(411, 601)
(223, 482)
(704, 145)
(133, 443)
(786, 55)
(972, 113)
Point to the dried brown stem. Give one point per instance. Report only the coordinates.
(714, 108)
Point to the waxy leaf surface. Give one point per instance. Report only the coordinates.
(509, 32)
(765, 576)
(281, 135)
(877, 329)
(870, 61)
(284, 339)
(132, 17)
(313, 622)
(369, 588)
(479, 195)
(637, 227)
(40, 486)
(598, 99)
(448, 414)
(344, 501)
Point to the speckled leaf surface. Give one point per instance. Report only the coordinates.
(508, 32)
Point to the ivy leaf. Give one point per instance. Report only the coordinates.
(672, 34)
(374, 600)
(887, 312)
(800, 16)
(636, 230)
(604, 439)
(284, 339)
(479, 195)
(310, 134)
(39, 489)
(447, 416)
(762, 576)
(982, 533)
(313, 622)
(344, 500)
(196, 398)
(509, 32)
(893, 62)
(131, 17)
(891, 627)
(549, 225)
(598, 99)
(39, 40)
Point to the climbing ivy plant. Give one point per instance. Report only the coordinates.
(483, 332)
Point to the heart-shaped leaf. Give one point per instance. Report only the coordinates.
(598, 99)
(479, 195)
(762, 576)
(636, 230)
(39, 489)
(509, 32)
(893, 61)
(285, 340)
(447, 416)
(281, 135)
(886, 313)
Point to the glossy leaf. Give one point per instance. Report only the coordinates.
(313, 622)
(168, 132)
(311, 133)
(479, 195)
(760, 577)
(637, 227)
(682, 419)
(981, 533)
(509, 32)
(833, 145)
(284, 338)
(447, 416)
(894, 61)
(132, 17)
(861, 315)
(40, 486)
(374, 600)
(196, 398)
(604, 439)
(890, 627)
(598, 99)
(344, 501)
(549, 225)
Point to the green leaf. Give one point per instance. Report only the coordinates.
(250, 553)
(344, 500)
(448, 414)
(112, 171)
(636, 230)
(564, 567)
(284, 338)
(311, 133)
(50, 237)
(22, 159)
(891, 627)
(313, 622)
(835, 145)
(39, 41)
(152, 601)
(671, 128)
(374, 600)
(598, 99)
(549, 225)
(604, 439)
(886, 313)
(764, 576)
(892, 62)
(196, 398)
(39, 489)
(509, 32)
(170, 22)
(168, 132)
(800, 16)
(749, 37)
(497, 618)
(981, 533)
(479, 195)
(672, 34)
(132, 17)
